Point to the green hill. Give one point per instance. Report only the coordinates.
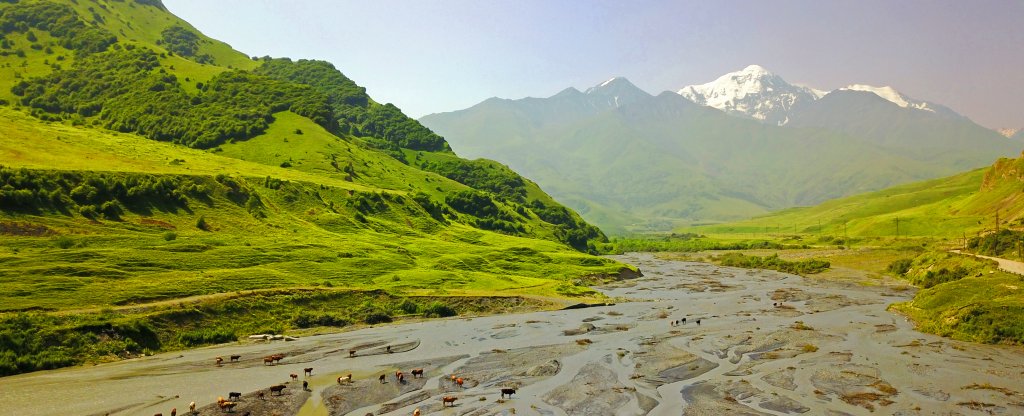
(947, 208)
(159, 190)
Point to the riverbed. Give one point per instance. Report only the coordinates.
(686, 338)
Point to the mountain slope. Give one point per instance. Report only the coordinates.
(944, 207)
(142, 163)
(665, 160)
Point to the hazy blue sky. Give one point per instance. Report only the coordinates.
(433, 56)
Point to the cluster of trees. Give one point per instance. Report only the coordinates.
(183, 42)
(92, 194)
(482, 175)
(130, 92)
(61, 21)
(999, 243)
(488, 215)
(773, 262)
(353, 110)
(943, 275)
(572, 230)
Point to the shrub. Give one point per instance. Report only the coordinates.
(201, 224)
(900, 267)
(206, 336)
(377, 318)
(408, 306)
(170, 236)
(65, 242)
(309, 320)
(438, 310)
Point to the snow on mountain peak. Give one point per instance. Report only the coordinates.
(753, 92)
(616, 92)
(891, 95)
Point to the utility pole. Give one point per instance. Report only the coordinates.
(965, 241)
(897, 228)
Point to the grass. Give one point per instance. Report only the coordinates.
(304, 235)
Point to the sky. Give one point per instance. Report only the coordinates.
(428, 56)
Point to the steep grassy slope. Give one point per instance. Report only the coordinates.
(947, 207)
(159, 190)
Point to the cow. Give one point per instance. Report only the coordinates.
(382, 379)
(351, 353)
(307, 371)
(448, 399)
(192, 407)
(507, 391)
(219, 360)
(259, 395)
(235, 357)
(277, 389)
(227, 406)
(459, 381)
(294, 376)
(417, 373)
(268, 360)
(234, 395)
(345, 379)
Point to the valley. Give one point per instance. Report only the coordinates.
(767, 343)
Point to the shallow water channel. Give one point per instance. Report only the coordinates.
(766, 343)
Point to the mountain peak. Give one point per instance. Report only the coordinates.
(616, 92)
(752, 92)
(756, 69)
(613, 84)
(890, 94)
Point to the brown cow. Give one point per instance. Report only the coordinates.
(307, 371)
(459, 381)
(277, 389)
(351, 353)
(259, 395)
(227, 406)
(235, 357)
(416, 412)
(294, 376)
(448, 399)
(277, 357)
(219, 360)
(417, 373)
(382, 378)
(346, 379)
(268, 360)
(174, 411)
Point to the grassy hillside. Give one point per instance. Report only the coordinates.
(946, 207)
(159, 190)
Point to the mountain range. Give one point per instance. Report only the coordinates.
(743, 145)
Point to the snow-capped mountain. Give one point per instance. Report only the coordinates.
(757, 93)
(616, 92)
(898, 98)
(753, 92)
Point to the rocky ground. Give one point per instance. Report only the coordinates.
(767, 343)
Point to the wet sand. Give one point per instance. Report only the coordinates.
(830, 348)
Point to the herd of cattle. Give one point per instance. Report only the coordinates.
(227, 405)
